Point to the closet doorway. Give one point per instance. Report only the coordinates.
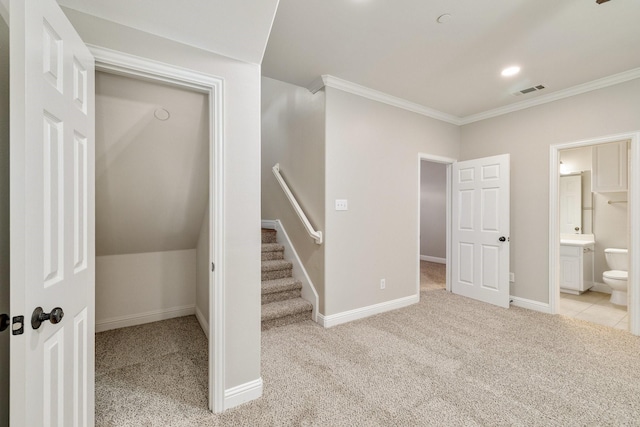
(153, 245)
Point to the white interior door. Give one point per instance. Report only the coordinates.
(571, 204)
(52, 218)
(480, 229)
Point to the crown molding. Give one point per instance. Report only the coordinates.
(555, 96)
(356, 89)
(365, 92)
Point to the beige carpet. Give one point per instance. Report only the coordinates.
(446, 361)
(432, 275)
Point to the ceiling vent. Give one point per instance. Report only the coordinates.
(529, 90)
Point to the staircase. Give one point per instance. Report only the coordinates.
(281, 301)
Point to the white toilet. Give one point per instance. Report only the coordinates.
(618, 262)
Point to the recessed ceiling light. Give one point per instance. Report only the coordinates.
(510, 71)
(443, 18)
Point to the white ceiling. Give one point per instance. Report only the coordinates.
(398, 48)
(238, 29)
(151, 176)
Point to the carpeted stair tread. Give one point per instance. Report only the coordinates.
(272, 247)
(276, 264)
(288, 307)
(280, 285)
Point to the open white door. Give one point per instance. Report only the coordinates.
(480, 229)
(52, 218)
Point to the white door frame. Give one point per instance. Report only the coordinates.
(449, 162)
(146, 69)
(634, 224)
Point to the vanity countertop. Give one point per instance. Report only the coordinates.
(581, 240)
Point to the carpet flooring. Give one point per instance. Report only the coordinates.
(446, 361)
(432, 275)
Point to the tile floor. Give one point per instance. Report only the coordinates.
(594, 307)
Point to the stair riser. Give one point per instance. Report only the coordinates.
(276, 274)
(286, 320)
(280, 296)
(270, 256)
(269, 237)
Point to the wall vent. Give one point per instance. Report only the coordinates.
(529, 90)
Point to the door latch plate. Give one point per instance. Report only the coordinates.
(17, 327)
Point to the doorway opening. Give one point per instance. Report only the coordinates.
(152, 242)
(434, 211)
(433, 225)
(594, 195)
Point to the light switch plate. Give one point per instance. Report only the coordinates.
(341, 205)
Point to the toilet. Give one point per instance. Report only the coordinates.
(616, 278)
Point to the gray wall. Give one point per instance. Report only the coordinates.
(4, 219)
(242, 177)
(433, 209)
(527, 135)
(293, 136)
(372, 160)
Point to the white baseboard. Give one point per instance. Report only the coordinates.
(204, 324)
(361, 313)
(433, 259)
(601, 287)
(270, 224)
(529, 304)
(142, 318)
(243, 393)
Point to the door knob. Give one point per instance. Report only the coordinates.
(4, 321)
(40, 316)
(502, 239)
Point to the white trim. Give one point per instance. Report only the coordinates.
(365, 92)
(435, 259)
(375, 95)
(122, 63)
(361, 313)
(633, 307)
(554, 96)
(203, 322)
(530, 304)
(309, 292)
(242, 393)
(142, 318)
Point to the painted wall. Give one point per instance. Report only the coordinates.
(527, 135)
(4, 219)
(146, 283)
(372, 161)
(203, 272)
(151, 175)
(241, 180)
(293, 136)
(433, 209)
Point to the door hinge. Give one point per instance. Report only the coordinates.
(213, 267)
(17, 327)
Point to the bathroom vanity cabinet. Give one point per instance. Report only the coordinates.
(576, 266)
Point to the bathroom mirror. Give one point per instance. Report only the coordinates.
(571, 204)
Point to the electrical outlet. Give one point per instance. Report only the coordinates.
(341, 205)
(383, 283)
(512, 277)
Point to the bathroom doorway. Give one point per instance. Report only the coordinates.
(593, 188)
